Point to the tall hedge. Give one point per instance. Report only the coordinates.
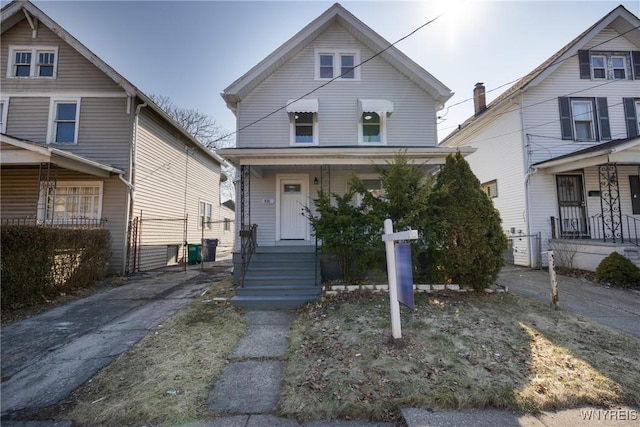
(463, 229)
(38, 263)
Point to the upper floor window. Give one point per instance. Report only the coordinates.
(632, 116)
(304, 121)
(609, 65)
(32, 61)
(372, 126)
(338, 64)
(584, 119)
(63, 121)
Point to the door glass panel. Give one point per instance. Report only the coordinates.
(292, 188)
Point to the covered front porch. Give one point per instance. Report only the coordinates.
(276, 186)
(598, 202)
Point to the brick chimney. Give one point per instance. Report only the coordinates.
(479, 99)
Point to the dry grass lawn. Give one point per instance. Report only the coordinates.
(166, 377)
(458, 351)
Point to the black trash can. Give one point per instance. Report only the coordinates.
(210, 246)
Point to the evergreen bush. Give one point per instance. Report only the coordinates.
(463, 229)
(617, 270)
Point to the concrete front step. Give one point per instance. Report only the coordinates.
(278, 290)
(280, 302)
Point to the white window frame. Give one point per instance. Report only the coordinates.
(623, 68)
(227, 224)
(51, 134)
(314, 129)
(34, 66)
(337, 55)
(575, 118)
(604, 67)
(4, 102)
(637, 104)
(491, 188)
(383, 129)
(44, 198)
(205, 209)
(369, 177)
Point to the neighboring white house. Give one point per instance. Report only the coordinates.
(559, 151)
(335, 100)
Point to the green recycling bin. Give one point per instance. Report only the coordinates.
(194, 254)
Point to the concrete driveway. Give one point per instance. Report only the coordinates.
(46, 357)
(612, 307)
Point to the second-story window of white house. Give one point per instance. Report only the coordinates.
(371, 127)
(619, 67)
(583, 120)
(303, 116)
(598, 68)
(63, 127)
(338, 64)
(32, 62)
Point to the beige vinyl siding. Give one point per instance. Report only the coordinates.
(27, 118)
(412, 122)
(170, 182)
(542, 113)
(19, 193)
(74, 72)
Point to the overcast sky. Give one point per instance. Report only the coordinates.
(190, 51)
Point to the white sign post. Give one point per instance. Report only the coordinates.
(389, 237)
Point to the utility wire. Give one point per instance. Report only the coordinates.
(328, 82)
(559, 61)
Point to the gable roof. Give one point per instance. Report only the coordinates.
(19, 10)
(335, 14)
(620, 19)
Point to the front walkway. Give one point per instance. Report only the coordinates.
(612, 307)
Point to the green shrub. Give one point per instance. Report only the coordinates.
(618, 270)
(38, 263)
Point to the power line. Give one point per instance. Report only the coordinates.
(328, 82)
(559, 61)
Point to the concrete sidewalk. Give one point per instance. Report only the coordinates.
(612, 307)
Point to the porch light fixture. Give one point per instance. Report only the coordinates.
(315, 181)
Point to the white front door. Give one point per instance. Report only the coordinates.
(293, 223)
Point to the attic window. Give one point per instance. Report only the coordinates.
(32, 62)
(609, 65)
(337, 64)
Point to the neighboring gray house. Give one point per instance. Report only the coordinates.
(559, 152)
(334, 100)
(81, 146)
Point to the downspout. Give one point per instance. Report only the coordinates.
(131, 183)
(527, 182)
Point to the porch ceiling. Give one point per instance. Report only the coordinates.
(354, 155)
(621, 152)
(17, 152)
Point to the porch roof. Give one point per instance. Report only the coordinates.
(620, 151)
(338, 155)
(20, 152)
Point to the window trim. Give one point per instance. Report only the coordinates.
(337, 55)
(486, 187)
(600, 124)
(42, 208)
(630, 60)
(51, 128)
(4, 114)
(209, 221)
(383, 129)
(293, 126)
(34, 62)
(593, 67)
(625, 66)
(592, 121)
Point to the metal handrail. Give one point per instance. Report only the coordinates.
(248, 246)
(593, 228)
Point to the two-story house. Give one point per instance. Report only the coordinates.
(334, 100)
(559, 152)
(82, 146)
